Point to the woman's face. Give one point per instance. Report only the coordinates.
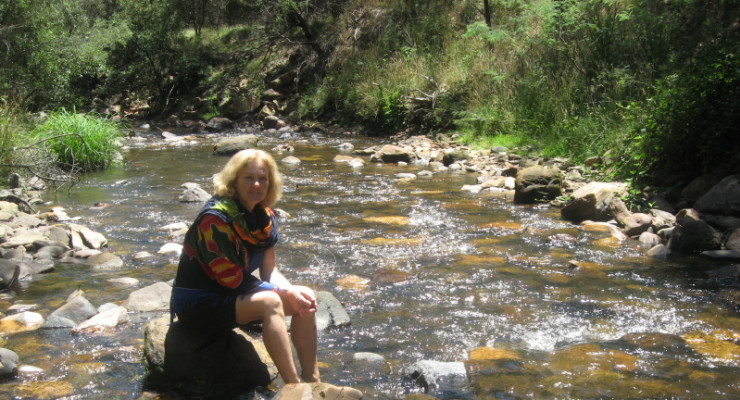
(252, 183)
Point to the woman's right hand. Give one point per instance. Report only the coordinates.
(299, 300)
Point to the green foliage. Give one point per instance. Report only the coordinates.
(80, 142)
(695, 122)
(54, 51)
(653, 81)
(13, 126)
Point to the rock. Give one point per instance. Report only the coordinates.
(109, 316)
(170, 248)
(692, 237)
(698, 187)
(21, 322)
(238, 106)
(28, 221)
(637, 223)
(592, 202)
(231, 145)
(283, 81)
(346, 146)
(722, 254)
(9, 273)
(197, 364)
(58, 234)
(154, 297)
(330, 312)
(317, 391)
(124, 281)
(25, 238)
(649, 239)
(29, 268)
(193, 194)
(104, 261)
(142, 255)
(618, 210)
(455, 157)
(538, 183)
(272, 94)
(50, 252)
(733, 241)
(405, 176)
(722, 199)
(370, 358)
(9, 362)
(722, 222)
(448, 379)
(219, 124)
(9, 207)
(392, 154)
(291, 160)
(76, 310)
(688, 213)
(659, 251)
(90, 239)
(662, 219)
(272, 122)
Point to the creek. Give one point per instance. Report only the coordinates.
(425, 271)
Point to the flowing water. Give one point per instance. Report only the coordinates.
(426, 272)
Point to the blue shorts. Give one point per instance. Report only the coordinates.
(208, 311)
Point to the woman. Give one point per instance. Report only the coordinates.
(233, 236)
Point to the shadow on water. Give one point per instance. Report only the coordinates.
(425, 271)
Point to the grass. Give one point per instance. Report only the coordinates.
(80, 142)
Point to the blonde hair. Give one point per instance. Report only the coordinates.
(224, 182)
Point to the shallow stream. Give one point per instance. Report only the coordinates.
(426, 272)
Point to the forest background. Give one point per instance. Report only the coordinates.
(651, 85)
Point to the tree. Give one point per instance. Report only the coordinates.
(487, 13)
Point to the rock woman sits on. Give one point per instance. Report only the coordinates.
(233, 236)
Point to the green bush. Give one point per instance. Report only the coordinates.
(80, 142)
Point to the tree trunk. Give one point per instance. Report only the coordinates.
(487, 13)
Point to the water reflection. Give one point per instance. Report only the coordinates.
(425, 271)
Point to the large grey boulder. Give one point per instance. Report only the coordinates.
(537, 184)
(76, 310)
(104, 261)
(193, 193)
(197, 364)
(330, 312)
(155, 297)
(9, 362)
(722, 199)
(692, 236)
(232, 145)
(593, 202)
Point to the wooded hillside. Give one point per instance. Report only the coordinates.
(650, 84)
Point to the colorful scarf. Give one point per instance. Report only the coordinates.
(255, 229)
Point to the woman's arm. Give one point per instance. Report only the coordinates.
(299, 299)
(269, 272)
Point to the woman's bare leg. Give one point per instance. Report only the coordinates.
(304, 336)
(268, 307)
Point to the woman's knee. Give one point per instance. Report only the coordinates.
(260, 305)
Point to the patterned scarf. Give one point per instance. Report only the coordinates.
(257, 230)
